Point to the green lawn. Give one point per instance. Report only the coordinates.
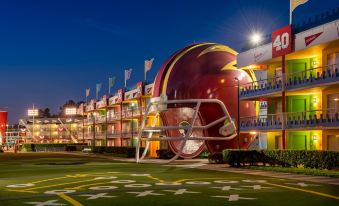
(58, 179)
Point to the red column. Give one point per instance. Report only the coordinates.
(283, 100)
(3, 123)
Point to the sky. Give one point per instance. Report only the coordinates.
(51, 51)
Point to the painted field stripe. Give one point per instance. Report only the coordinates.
(22, 191)
(155, 178)
(303, 190)
(70, 200)
(81, 186)
(205, 178)
(67, 183)
(51, 179)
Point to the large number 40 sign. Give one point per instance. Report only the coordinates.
(282, 41)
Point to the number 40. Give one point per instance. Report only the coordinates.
(281, 42)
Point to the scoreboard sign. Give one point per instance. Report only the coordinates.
(282, 41)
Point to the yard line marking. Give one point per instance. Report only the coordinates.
(51, 179)
(93, 184)
(22, 191)
(70, 200)
(303, 190)
(204, 178)
(155, 178)
(70, 176)
(67, 183)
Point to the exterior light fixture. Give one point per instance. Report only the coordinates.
(255, 38)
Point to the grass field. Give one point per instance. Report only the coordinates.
(44, 179)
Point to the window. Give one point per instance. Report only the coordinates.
(333, 59)
(333, 102)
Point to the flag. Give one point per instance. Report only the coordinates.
(87, 92)
(111, 83)
(295, 3)
(128, 73)
(148, 64)
(98, 88)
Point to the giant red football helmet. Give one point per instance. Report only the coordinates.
(195, 95)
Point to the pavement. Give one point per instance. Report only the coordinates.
(204, 165)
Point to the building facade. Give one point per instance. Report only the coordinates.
(115, 120)
(298, 92)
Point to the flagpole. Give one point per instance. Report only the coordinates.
(290, 13)
(109, 87)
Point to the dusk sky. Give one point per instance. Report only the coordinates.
(51, 51)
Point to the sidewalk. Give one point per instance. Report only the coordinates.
(203, 164)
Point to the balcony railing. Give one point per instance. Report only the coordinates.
(128, 113)
(292, 120)
(262, 122)
(258, 88)
(308, 78)
(312, 77)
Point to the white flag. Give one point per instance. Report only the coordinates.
(128, 73)
(148, 64)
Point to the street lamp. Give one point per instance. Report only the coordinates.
(238, 79)
(33, 113)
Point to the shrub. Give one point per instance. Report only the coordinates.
(285, 158)
(52, 147)
(119, 151)
(165, 154)
(215, 158)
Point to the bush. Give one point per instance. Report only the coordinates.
(52, 147)
(286, 158)
(165, 154)
(215, 158)
(119, 151)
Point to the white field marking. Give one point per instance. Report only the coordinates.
(227, 188)
(302, 184)
(21, 185)
(77, 175)
(255, 181)
(123, 181)
(97, 196)
(226, 181)
(145, 193)
(180, 191)
(197, 183)
(47, 203)
(105, 178)
(138, 185)
(257, 187)
(139, 175)
(233, 198)
(55, 192)
(168, 183)
(188, 165)
(103, 188)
